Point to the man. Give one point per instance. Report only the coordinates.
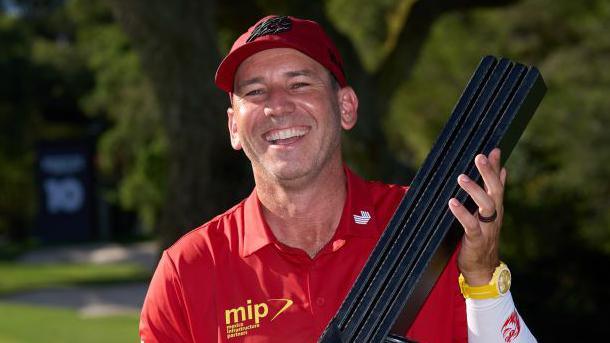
(277, 266)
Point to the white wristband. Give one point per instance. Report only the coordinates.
(496, 320)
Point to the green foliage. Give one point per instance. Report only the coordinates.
(565, 152)
(372, 26)
(16, 207)
(12, 182)
(558, 199)
(73, 59)
(17, 118)
(132, 153)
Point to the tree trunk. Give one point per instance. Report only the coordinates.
(179, 51)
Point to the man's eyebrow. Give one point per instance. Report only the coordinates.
(248, 82)
(302, 72)
(259, 79)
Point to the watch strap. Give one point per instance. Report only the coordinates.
(499, 285)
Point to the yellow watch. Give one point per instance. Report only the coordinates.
(497, 287)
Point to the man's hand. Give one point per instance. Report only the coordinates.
(478, 257)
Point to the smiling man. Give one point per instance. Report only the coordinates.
(276, 267)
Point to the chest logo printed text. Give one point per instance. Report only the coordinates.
(240, 320)
(363, 218)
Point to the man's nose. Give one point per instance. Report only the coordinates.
(279, 103)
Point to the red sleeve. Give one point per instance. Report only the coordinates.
(163, 316)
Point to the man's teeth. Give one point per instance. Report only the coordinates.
(285, 134)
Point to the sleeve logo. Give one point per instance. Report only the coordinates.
(511, 327)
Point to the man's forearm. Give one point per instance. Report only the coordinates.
(496, 320)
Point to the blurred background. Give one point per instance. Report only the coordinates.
(113, 143)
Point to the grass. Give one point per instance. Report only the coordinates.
(22, 324)
(21, 277)
(27, 323)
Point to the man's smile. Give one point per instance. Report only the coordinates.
(286, 136)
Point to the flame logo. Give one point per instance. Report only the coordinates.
(511, 327)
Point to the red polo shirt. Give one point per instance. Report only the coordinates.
(231, 280)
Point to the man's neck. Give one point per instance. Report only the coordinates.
(305, 217)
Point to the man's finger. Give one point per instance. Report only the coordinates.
(503, 176)
(468, 221)
(493, 185)
(485, 203)
(495, 160)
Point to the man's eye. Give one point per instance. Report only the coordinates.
(254, 92)
(299, 85)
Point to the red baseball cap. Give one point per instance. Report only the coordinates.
(307, 36)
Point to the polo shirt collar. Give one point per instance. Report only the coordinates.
(357, 220)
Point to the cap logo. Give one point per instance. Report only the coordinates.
(271, 26)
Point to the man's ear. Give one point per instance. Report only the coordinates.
(348, 104)
(232, 122)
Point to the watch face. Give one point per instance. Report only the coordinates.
(504, 281)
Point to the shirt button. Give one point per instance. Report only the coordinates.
(320, 301)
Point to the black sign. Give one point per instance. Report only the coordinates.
(65, 185)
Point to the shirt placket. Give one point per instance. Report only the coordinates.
(320, 281)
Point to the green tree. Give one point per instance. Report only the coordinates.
(132, 152)
(15, 159)
(558, 194)
(64, 60)
(42, 80)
